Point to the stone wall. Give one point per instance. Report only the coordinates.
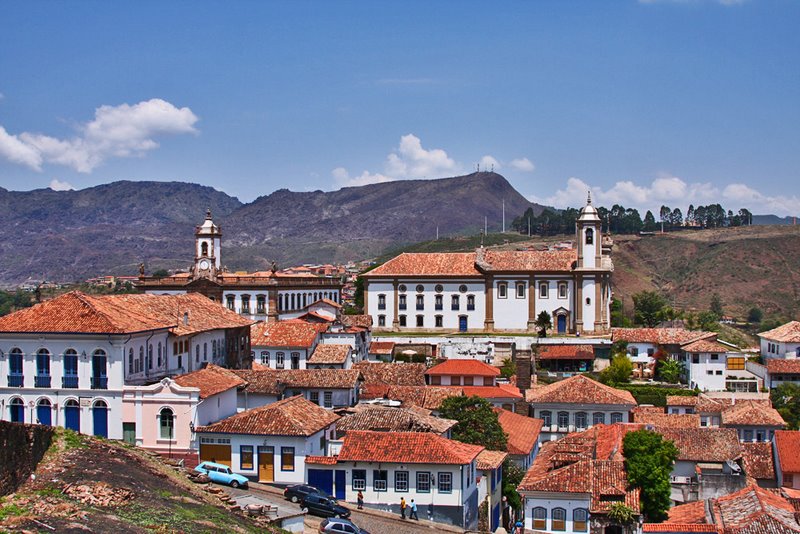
(21, 449)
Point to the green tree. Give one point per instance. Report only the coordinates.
(755, 315)
(508, 369)
(477, 422)
(708, 320)
(512, 476)
(669, 370)
(650, 224)
(786, 399)
(716, 306)
(648, 308)
(358, 294)
(160, 273)
(543, 323)
(648, 462)
(618, 314)
(619, 370)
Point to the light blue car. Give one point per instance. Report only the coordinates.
(221, 474)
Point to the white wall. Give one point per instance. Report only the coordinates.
(287, 356)
(511, 313)
(216, 407)
(781, 350)
(551, 501)
(698, 373)
(553, 302)
(588, 309)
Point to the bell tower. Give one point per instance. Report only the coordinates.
(588, 235)
(207, 239)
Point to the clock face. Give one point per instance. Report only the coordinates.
(204, 264)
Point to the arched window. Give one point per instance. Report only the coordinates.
(580, 420)
(547, 417)
(264, 357)
(100, 370)
(70, 378)
(539, 518)
(42, 378)
(559, 519)
(598, 418)
(15, 376)
(100, 418)
(44, 414)
(589, 236)
(159, 355)
(205, 351)
(130, 361)
(141, 358)
(197, 353)
(563, 419)
(204, 249)
(150, 356)
(17, 410)
(580, 520)
(166, 423)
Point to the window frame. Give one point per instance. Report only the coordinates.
(380, 475)
(398, 483)
(539, 523)
(502, 290)
(565, 287)
(580, 525)
(520, 290)
(170, 423)
(290, 452)
(243, 452)
(440, 483)
(423, 484)
(359, 482)
(556, 523)
(544, 290)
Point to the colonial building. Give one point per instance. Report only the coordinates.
(492, 290)
(263, 295)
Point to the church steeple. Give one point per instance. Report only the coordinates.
(588, 234)
(208, 238)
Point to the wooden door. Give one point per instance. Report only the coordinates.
(220, 454)
(266, 464)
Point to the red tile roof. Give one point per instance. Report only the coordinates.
(210, 380)
(579, 389)
(391, 419)
(428, 264)
(294, 416)
(395, 374)
(405, 448)
(330, 353)
(530, 260)
(489, 460)
(787, 333)
(566, 352)
(274, 382)
(457, 367)
(702, 403)
(503, 391)
(706, 346)
(754, 510)
(294, 334)
(381, 347)
(787, 444)
(704, 444)
(750, 413)
(758, 462)
(321, 460)
(659, 336)
(781, 366)
(356, 321)
(693, 512)
(522, 432)
(663, 420)
(675, 528)
(428, 397)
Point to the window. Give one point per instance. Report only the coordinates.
(445, 483)
(589, 236)
(70, 378)
(261, 304)
(231, 302)
(287, 458)
(246, 304)
(246, 457)
(719, 372)
(196, 353)
(543, 291)
(314, 397)
(562, 290)
(420, 321)
(401, 481)
(580, 420)
(420, 288)
(598, 418)
(588, 300)
(714, 357)
(359, 479)
(546, 416)
(709, 372)
(438, 303)
(436, 380)
(695, 358)
(379, 478)
(616, 417)
(563, 419)
(381, 320)
(470, 302)
(438, 288)
(468, 380)
(439, 321)
(130, 362)
(420, 302)
(140, 362)
(520, 290)
(265, 357)
(540, 518)
(401, 302)
(295, 360)
(559, 519)
(502, 290)
(580, 519)
(166, 423)
(736, 363)
(99, 370)
(381, 302)
(159, 354)
(402, 320)
(462, 288)
(455, 303)
(328, 399)
(279, 359)
(423, 482)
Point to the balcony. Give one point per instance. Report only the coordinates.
(401, 306)
(99, 382)
(455, 307)
(69, 382)
(438, 307)
(381, 306)
(41, 381)
(16, 380)
(420, 307)
(470, 307)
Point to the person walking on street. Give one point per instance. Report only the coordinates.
(413, 514)
(402, 507)
(360, 498)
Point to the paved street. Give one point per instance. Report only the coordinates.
(378, 525)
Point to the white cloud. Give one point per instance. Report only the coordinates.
(343, 178)
(116, 131)
(488, 163)
(522, 164)
(759, 203)
(58, 185)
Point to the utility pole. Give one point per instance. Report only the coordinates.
(504, 215)
(529, 226)
(485, 225)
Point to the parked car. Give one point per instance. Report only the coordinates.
(323, 506)
(221, 474)
(333, 525)
(297, 492)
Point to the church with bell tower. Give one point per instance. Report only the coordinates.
(207, 239)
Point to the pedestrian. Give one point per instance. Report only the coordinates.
(413, 514)
(402, 507)
(360, 498)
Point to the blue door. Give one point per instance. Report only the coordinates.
(462, 323)
(44, 414)
(100, 419)
(72, 416)
(322, 479)
(17, 409)
(340, 483)
(562, 324)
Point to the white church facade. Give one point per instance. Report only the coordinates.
(497, 291)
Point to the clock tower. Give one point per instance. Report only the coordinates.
(207, 238)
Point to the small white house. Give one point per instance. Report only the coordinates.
(705, 364)
(781, 342)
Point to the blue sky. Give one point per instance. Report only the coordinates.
(644, 102)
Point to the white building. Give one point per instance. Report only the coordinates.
(67, 360)
(781, 342)
(705, 364)
(492, 290)
(329, 388)
(490, 485)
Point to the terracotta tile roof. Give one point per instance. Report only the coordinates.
(701, 403)
(752, 413)
(706, 345)
(405, 448)
(659, 336)
(579, 389)
(395, 374)
(329, 302)
(522, 432)
(428, 397)
(675, 528)
(693, 512)
(787, 445)
(489, 460)
(428, 264)
(321, 460)
(210, 380)
(504, 391)
(782, 366)
(330, 353)
(360, 321)
(754, 510)
(314, 317)
(704, 444)
(530, 260)
(566, 352)
(274, 382)
(389, 419)
(76, 312)
(787, 333)
(604, 480)
(758, 462)
(381, 347)
(457, 367)
(295, 334)
(294, 416)
(663, 420)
